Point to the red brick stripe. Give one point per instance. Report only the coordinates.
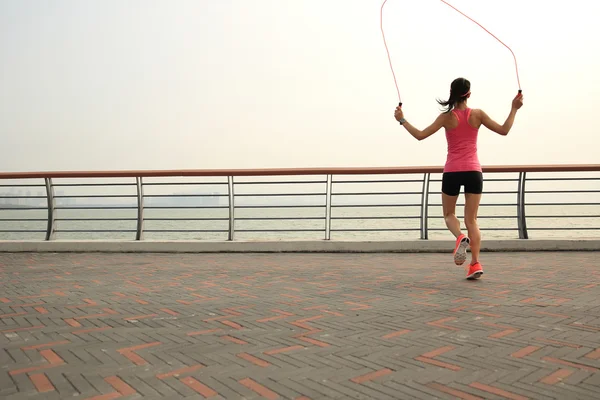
(51, 357)
(397, 333)
(41, 383)
(254, 360)
(12, 315)
(453, 392)
(29, 305)
(570, 364)
(234, 339)
(137, 317)
(82, 331)
(503, 333)
(231, 324)
(563, 344)
(134, 358)
(180, 371)
(556, 377)
(524, 351)
(371, 376)
(260, 389)
(139, 347)
(203, 332)
(438, 352)
(283, 350)
(594, 355)
(314, 341)
(109, 396)
(440, 323)
(120, 386)
(41, 346)
(198, 387)
(438, 363)
(72, 322)
(496, 391)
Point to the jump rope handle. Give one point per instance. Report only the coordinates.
(520, 91)
(400, 104)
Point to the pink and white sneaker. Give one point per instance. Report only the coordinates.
(460, 250)
(475, 271)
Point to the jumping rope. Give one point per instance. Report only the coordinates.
(388, 52)
(465, 15)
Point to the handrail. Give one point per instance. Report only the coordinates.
(330, 206)
(292, 171)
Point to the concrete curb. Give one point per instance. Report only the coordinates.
(410, 246)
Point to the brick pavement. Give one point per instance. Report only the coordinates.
(299, 326)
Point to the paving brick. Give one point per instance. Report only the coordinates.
(81, 385)
(157, 385)
(223, 390)
(577, 377)
(340, 308)
(327, 391)
(61, 384)
(404, 391)
(6, 391)
(566, 391)
(234, 386)
(140, 386)
(304, 390)
(22, 358)
(350, 389)
(534, 391)
(98, 382)
(24, 384)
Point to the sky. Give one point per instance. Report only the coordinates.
(203, 84)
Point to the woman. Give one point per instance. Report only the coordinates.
(462, 166)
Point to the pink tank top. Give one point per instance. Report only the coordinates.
(462, 145)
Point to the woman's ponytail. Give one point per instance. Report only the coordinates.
(459, 89)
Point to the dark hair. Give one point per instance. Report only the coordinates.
(459, 89)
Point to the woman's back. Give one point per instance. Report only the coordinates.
(462, 143)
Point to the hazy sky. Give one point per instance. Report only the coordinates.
(167, 84)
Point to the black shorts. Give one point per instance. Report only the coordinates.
(471, 180)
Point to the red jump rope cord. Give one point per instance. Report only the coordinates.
(481, 26)
(388, 53)
(465, 15)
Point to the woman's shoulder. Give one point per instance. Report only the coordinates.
(446, 114)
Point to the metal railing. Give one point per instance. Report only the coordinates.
(326, 203)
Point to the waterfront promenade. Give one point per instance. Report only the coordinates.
(299, 326)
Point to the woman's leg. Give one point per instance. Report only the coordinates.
(451, 183)
(450, 192)
(471, 210)
(473, 192)
(449, 209)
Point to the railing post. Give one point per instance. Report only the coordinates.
(230, 190)
(521, 220)
(51, 209)
(139, 235)
(329, 185)
(425, 207)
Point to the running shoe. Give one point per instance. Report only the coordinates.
(475, 271)
(460, 250)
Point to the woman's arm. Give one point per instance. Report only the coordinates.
(416, 133)
(505, 128)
